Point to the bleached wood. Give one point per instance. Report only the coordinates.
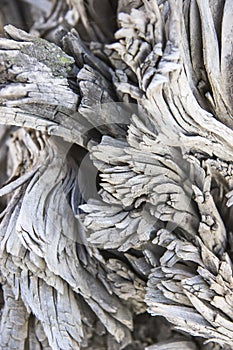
(116, 176)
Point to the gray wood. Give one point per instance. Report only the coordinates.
(116, 175)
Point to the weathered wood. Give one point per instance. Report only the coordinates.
(116, 175)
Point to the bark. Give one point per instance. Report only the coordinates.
(116, 175)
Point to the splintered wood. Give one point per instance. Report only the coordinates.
(116, 175)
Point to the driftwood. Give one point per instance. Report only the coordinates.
(116, 174)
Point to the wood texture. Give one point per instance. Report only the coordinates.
(116, 175)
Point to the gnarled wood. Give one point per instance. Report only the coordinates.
(116, 175)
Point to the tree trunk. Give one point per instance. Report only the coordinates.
(116, 174)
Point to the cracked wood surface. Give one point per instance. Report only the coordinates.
(116, 175)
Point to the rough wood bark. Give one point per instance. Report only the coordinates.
(116, 175)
